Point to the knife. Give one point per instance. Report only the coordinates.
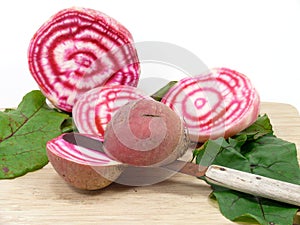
(219, 175)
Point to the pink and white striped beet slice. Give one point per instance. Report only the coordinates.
(78, 154)
(83, 112)
(78, 49)
(94, 109)
(219, 103)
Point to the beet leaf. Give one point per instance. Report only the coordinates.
(24, 132)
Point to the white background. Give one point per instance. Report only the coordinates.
(260, 38)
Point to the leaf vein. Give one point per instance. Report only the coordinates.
(13, 132)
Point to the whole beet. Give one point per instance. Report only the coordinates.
(145, 132)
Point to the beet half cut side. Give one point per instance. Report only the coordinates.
(219, 103)
(78, 49)
(94, 109)
(80, 167)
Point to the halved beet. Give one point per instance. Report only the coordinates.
(81, 167)
(94, 109)
(219, 103)
(78, 49)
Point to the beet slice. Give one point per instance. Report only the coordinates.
(78, 49)
(94, 109)
(81, 167)
(219, 103)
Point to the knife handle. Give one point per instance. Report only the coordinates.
(254, 184)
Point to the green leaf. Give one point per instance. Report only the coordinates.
(255, 150)
(273, 157)
(262, 126)
(68, 126)
(24, 133)
(212, 149)
(238, 206)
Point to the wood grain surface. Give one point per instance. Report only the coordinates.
(42, 197)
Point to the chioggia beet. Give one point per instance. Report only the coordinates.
(145, 132)
(81, 167)
(79, 49)
(219, 103)
(95, 108)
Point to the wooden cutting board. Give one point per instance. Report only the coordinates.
(42, 197)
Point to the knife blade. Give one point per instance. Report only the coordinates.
(187, 168)
(226, 177)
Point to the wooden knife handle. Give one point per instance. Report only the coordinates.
(254, 184)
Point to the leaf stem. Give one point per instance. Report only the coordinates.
(161, 92)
